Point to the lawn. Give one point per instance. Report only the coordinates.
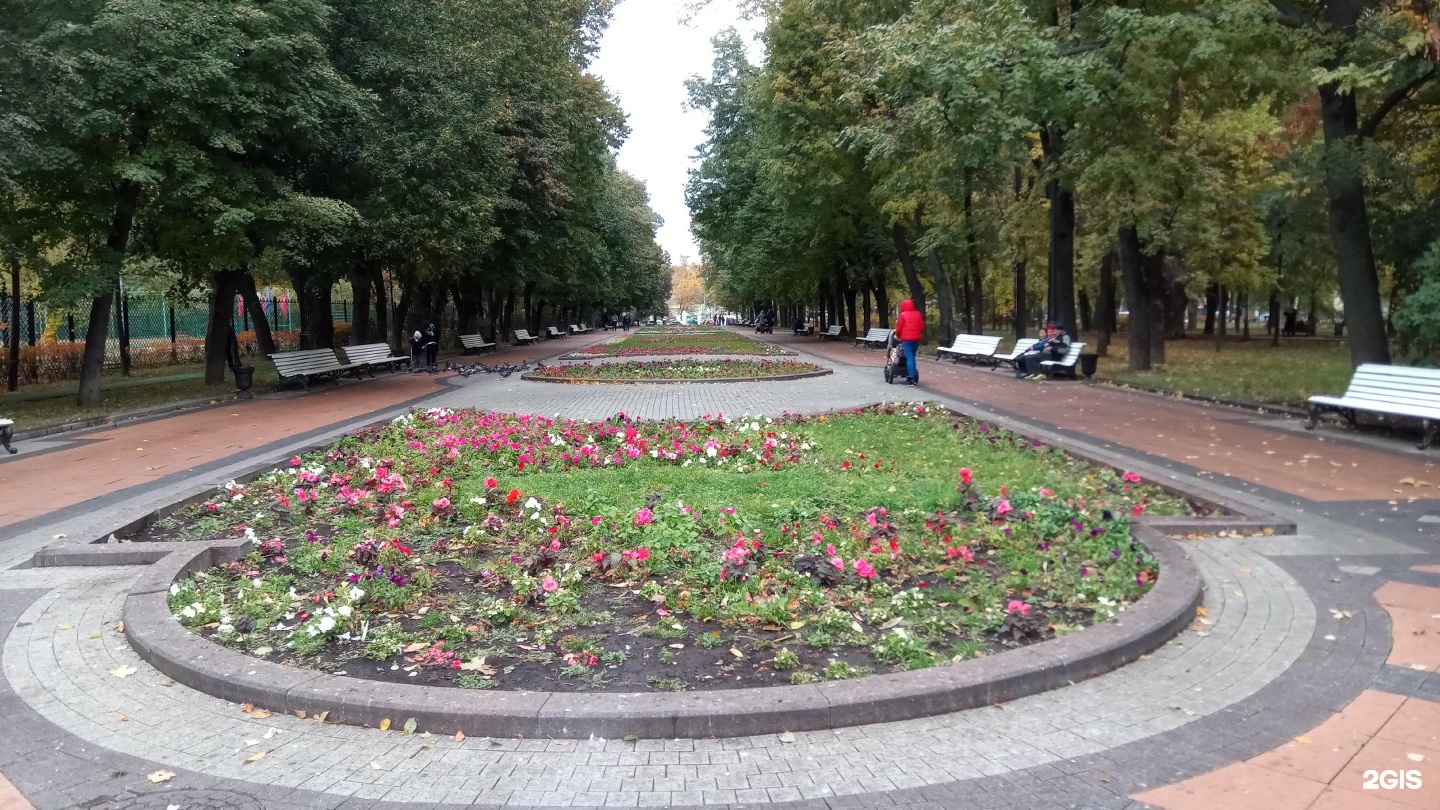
(514, 552)
(689, 340)
(41, 406)
(1252, 371)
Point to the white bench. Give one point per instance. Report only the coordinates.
(311, 364)
(1066, 364)
(805, 329)
(875, 338)
(7, 433)
(373, 355)
(577, 330)
(971, 347)
(523, 337)
(832, 332)
(1391, 390)
(1020, 347)
(553, 333)
(475, 344)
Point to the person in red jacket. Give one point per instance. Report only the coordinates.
(909, 329)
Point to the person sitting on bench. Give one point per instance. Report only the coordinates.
(1053, 346)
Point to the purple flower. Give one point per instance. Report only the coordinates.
(1115, 554)
(1084, 572)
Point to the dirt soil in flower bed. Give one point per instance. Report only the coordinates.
(680, 341)
(667, 370)
(484, 551)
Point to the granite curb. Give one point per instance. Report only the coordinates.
(529, 376)
(202, 665)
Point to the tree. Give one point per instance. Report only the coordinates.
(687, 288)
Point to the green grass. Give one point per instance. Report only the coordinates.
(44, 406)
(1249, 371)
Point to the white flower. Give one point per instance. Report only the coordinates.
(346, 610)
(688, 461)
(534, 515)
(327, 623)
(257, 583)
(198, 607)
(477, 500)
(188, 613)
(355, 594)
(532, 503)
(174, 589)
(702, 461)
(711, 452)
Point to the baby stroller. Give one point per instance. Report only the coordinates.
(895, 366)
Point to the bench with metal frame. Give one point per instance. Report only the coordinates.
(373, 355)
(1403, 391)
(522, 337)
(309, 364)
(7, 434)
(475, 344)
(553, 333)
(875, 338)
(975, 348)
(1065, 365)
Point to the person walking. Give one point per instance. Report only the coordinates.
(910, 330)
(432, 345)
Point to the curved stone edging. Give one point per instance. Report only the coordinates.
(530, 377)
(673, 355)
(203, 665)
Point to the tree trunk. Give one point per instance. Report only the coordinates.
(1105, 306)
(1222, 318)
(1245, 310)
(907, 265)
(402, 309)
(360, 318)
(264, 339)
(1137, 296)
(217, 332)
(1274, 327)
(122, 328)
(1212, 302)
(1155, 285)
(493, 311)
(1350, 227)
(1177, 303)
(1061, 308)
(1086, 322)
(12, 374)
(117, 240)
(865, 300)
(1018, 317)
(322, 313)
(941, 281)
(882, 303)
(382, 309)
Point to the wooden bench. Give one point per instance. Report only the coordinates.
(311, 364)
(7, 433)
(875, 338)
(833, 333)
(523, 337)
(578, 330)
(475, 344)
(805, 329)
(1066, 364)
(553, 333)
(980, 348)
(373, 355)
(1391, 390)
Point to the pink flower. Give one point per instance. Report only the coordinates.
(441, 504)
(1137, 510)
(1016, 606)
(1131, 477)
(644, 516)
(1047, 493)
(550, 585)
(960, 553)
(491, 483)
(1003, 508)
(555, 544)
(596, 521)
(966, 476)
(295, 461)
(864, 569)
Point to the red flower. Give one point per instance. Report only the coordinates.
(491, 483)
(845, 466)
(513, 496)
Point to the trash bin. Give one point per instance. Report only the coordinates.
(1088, 362)
(244, 377)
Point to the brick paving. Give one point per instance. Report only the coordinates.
(1306, 634)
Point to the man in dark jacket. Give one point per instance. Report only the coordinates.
(432, 345)
(1054, 346)
(909, 330)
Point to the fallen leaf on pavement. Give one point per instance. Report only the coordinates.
(787, 737)
(1415, 757)
(255, 757)
(1303, 740)
(385, 724)
(123, 671)
(160, 776)
(459, 736)
(259, 714)
(410, 726)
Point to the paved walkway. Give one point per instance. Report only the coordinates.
(1317, 659)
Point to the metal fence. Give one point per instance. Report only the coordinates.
(160, 332)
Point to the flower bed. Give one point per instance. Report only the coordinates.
(640, 370)
(680, 340)
(515, 552)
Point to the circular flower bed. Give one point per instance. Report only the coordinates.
(689, 369)
(483, 550)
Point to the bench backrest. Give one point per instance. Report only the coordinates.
(368, 353)
(574, 328)
(1071, 356)
(521, 334)
(310, 361)
(834, 330)
(473, 341)
(877, 335)
(553, 330)
(1399, 385)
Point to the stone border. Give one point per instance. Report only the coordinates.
(673, 356)
(529, 376)
(198, 663)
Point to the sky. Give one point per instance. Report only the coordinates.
(645, 57)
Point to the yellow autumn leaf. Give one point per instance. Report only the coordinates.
(385, 724)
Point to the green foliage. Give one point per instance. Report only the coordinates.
(1418, 321)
